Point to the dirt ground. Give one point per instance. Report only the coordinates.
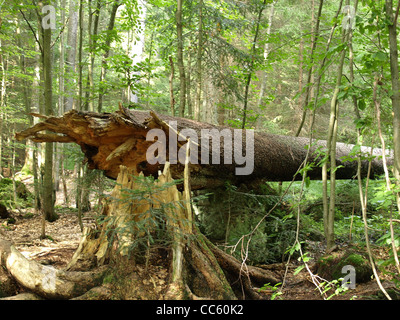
(63, 237)
(62, 240)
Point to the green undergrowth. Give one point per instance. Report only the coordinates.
(230, 217)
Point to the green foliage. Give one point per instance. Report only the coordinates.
(230, 214)
(330, 267)
(274, 290)
(24, 197)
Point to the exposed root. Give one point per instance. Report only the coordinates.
(244, 279)
(46, 281)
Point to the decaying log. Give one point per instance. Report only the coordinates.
(46, 281)
(110, 140)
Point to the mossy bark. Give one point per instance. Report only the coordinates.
(330, 266)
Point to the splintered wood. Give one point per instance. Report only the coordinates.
(124, 212)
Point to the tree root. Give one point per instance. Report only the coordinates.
(243, 279)
(46, 281)
(24, 296)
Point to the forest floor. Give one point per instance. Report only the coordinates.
(301, 286)
(63, 237)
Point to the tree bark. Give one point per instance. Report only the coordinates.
(48, 200)
(197, 104)
(394, 70)
(171, 87)
(69, 88)
(181, 66)
(92, 45)
(3, 66)
(111, 140)
(110, 28)
(251, 64)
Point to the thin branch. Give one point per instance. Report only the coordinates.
(33, 31)
(397, 14)
(60, 33)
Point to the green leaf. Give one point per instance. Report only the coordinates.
(307, 182)
(379, 56)
(361, 104)
(298, 269)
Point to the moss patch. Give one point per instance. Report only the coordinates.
(330, 266)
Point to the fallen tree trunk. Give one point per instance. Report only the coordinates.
(113, 139)
(118, 143)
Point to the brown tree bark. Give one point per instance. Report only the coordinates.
(113, 139)
(181, 66)
(48, 197)
(110, 140)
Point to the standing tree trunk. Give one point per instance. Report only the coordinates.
(329, 209)
(181, 66)
(171, 87)
(92, 45)
(266, 53)
(70, 63)
(48, 195)
(81, 176)
(189, 86)
(2, 105)
(59, 158)
(102, 89)
(197, 104)
(310, 70)
(394, 69)
(251, 64)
